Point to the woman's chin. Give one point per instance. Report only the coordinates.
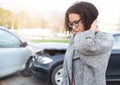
(74, 32)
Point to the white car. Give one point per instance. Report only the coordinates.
(15, 54)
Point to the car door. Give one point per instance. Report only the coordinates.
(13, 55)
(113, 70)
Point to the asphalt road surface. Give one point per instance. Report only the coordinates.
(17, 79)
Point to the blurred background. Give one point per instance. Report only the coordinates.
(41, 19)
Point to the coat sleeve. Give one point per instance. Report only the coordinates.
(88, 44)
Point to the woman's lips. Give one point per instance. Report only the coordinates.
(75, 31)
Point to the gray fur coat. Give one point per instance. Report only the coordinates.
(86, 58)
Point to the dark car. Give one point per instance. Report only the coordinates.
(48, 64)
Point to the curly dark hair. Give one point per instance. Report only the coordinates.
(87, 11)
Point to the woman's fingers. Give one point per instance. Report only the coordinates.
(94, 26)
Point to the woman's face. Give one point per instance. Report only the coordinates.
(75, 23)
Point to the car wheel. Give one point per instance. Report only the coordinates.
(56, 76)
(27, 71)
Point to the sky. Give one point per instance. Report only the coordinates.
(108, 9)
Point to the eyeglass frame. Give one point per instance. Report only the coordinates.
(76, 23)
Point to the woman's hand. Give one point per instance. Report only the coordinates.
(94, 26)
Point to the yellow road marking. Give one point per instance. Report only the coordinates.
(3, 82)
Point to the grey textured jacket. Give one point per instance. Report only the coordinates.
(86, 58)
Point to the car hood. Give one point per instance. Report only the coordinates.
(51, 45)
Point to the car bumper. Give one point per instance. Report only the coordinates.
(41, 72)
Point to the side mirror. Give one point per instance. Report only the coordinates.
(24, 44)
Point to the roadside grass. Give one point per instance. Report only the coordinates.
(51, 40)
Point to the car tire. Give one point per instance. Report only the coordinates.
(27, 71)
(56, 76)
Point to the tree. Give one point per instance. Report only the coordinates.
(5, 18)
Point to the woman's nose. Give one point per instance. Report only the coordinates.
(74, 27)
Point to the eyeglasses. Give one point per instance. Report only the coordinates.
(74, 23)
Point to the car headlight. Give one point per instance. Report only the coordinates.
(44, 60)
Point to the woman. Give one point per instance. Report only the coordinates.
(87, 56)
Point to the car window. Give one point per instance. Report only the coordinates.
(116, 41)
(7, 40)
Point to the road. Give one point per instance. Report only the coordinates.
(17, 79)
